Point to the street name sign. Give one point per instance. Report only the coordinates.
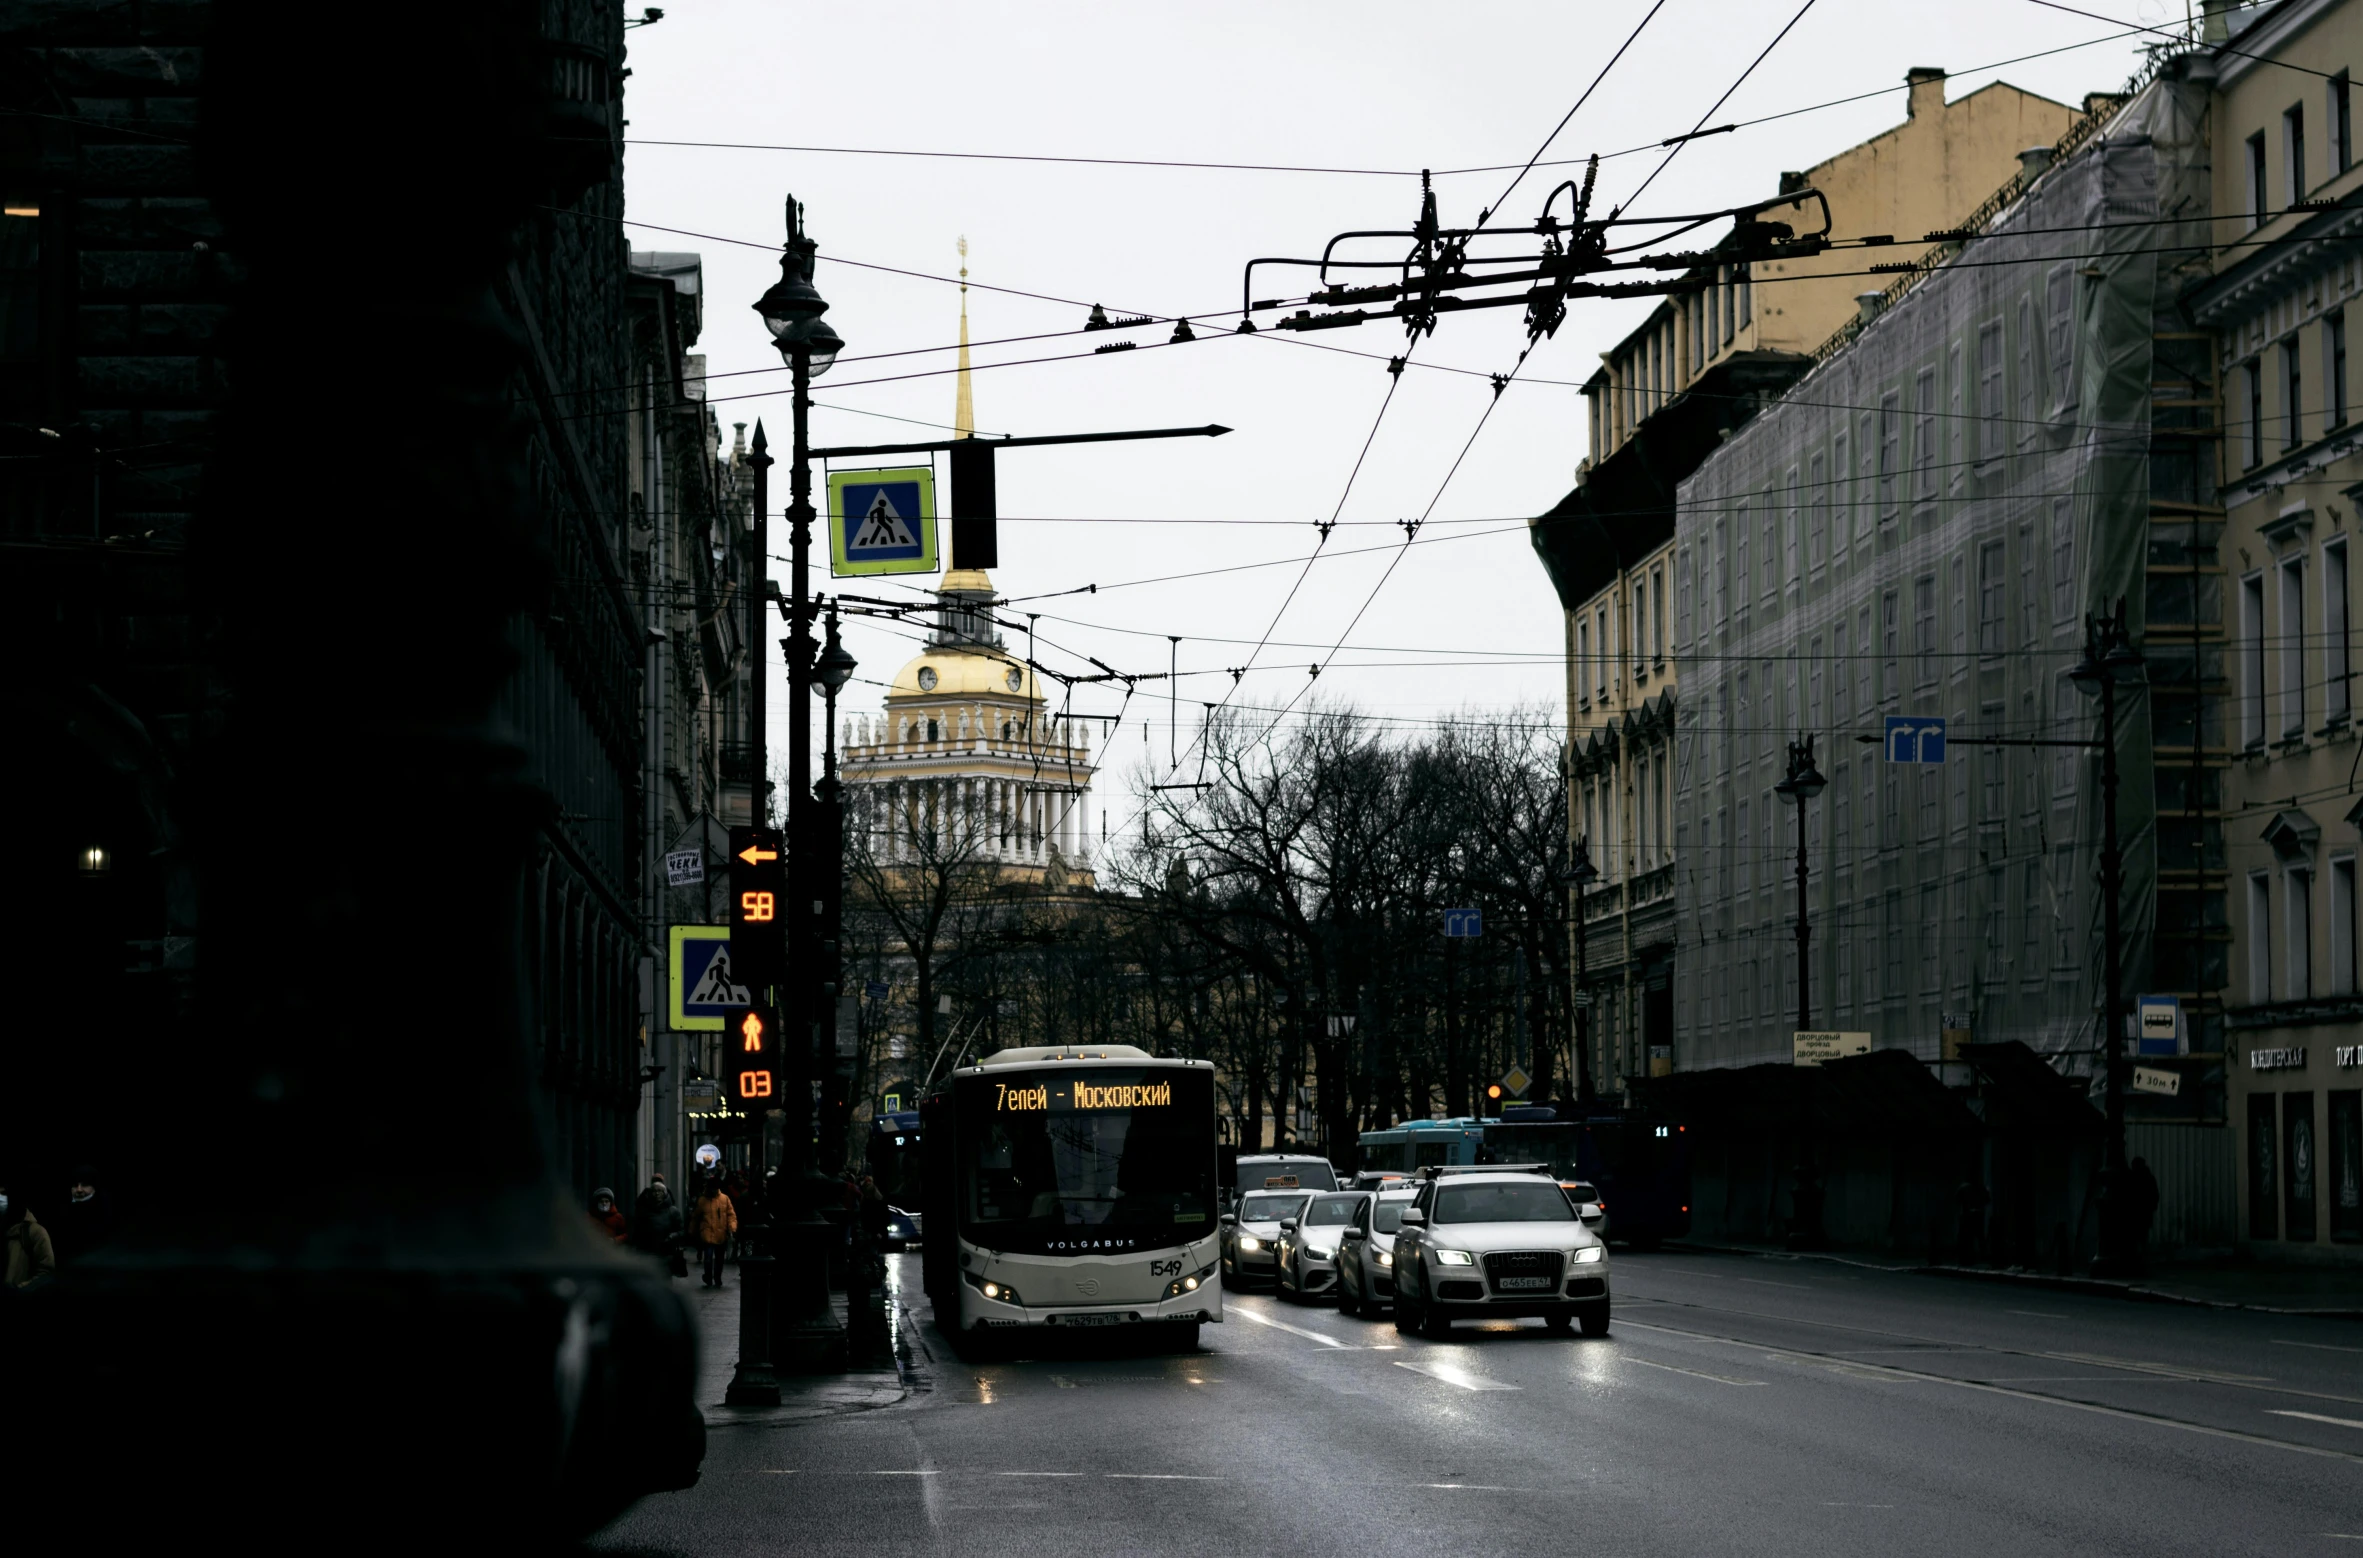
(1811, 1049)
(1915, 738)
(703, 988)
(2158, 1080)
(882, 522)
(1464, 922)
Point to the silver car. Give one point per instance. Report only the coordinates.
(1309, 1243)
(1251, 1234)
(1495, 1245)
(1588, 1204)
(1366, 1254)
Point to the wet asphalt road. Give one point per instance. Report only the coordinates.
(1740, 1405)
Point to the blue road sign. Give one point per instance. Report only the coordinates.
(874, 990)
(704, 992)
(882, 522)
(1915, 738)
(1464, 922)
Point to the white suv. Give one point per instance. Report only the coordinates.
(1497, 1245)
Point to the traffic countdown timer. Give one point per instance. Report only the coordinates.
(752, 1060)
(758, 901)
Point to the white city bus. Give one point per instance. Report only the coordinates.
(1072, 1187)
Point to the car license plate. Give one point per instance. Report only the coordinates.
(1523, 1282)
(1091, 1319)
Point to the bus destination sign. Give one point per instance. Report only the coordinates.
(1043, 1096)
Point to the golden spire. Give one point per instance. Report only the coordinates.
(964, 408)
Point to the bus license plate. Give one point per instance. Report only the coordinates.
(1092, 1319)
(1523, 1282)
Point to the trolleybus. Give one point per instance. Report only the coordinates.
(1640, 1162)
(1071, 1187)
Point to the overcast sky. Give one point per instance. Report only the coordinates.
(1466, 619)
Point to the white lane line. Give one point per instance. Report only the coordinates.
(1037, 1474)
(1802, 1287)
(2315, 1417)
(1282, 1325)
(2040, 1314)
(2038, 1397)
(2282, 1341)
(1156, 1476)
(1720, 1379)
(902, 1474)
(1465, 1487)
(2162, 1370)
(1454, 1374)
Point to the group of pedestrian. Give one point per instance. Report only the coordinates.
(84, 1221)
(658, 1228)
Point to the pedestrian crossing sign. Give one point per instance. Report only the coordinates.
(704, 992)
(882, 522)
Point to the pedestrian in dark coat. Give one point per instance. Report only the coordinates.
(31, 1257)
(87, 1221)
(656, 1222)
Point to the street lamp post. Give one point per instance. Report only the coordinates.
(1802, 783)
(805, 1334)
(1580, 874)
(2110, 660)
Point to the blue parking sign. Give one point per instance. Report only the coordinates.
(1915, 738)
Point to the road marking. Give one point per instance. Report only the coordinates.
(1802, 1287)
(2280, 1341)
(2164, 1370)
(2040, 1314)
(1037, 1474)
(902, 1474)
(2316, 1417)
(1719, 1379)
(766, 1471)
(1454, 1374)
(1157, 1476)
(1282, 1325)
(1465, 1487)
(2038, 1397)
(1831, 1503)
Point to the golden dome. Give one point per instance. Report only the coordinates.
(963, 673)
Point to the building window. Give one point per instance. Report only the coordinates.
(2252, 661)
(1842, 493)
(1684, 588)
(1818, 537)
(2334, 369)
(1740, 565)
(1924, 630)
(2252, 434)
(2293, 647)
(1889, 686)
(2257, 190)
(2292, 397)
(2341, 124)
(1746, 304)
(2026, 369)
(1989, 391)
(1866, 442)
(2337, 691)
(1796, 525)
(1813, 687)
(1583, 658)
(1640, 626)
(1770, 557)
(2059, 342)
(1955, 390)
(2293, 150)
(1864, 698)
(1841, 673)
(1747, 856)
(2297, 932)
(1657, 615)
(1960, 615)
(2342, 925)
(1722, 567)
(1992, 773)
(1990, 594)
(2030, 605)
(1604, 650)
(1924, 444)
(2063, 559)
(2346, 1165)
(1891, 433)
(2260, 939)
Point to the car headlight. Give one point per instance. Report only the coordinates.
(1455, 1258)
(1321, 1251)
(1385, 1257)
(1249, 1243)
(1591, 1254)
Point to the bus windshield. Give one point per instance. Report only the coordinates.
(1063, 1160)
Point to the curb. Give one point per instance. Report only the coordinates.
(2090, 1286)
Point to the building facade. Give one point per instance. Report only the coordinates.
(2286, 282)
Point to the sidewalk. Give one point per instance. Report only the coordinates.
(2271, 1289)
(803, 1397)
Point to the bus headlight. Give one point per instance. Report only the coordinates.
(1455, 1258)
(1180, 1285)
(1591, 1254)
(999, 1293)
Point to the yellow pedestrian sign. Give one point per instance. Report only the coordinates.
(882, 522)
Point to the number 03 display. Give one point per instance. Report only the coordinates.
(752, 1059)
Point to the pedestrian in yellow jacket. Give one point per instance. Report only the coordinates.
(712, 1220)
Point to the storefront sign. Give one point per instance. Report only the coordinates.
(2288, 1058)
(2349, 1056)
